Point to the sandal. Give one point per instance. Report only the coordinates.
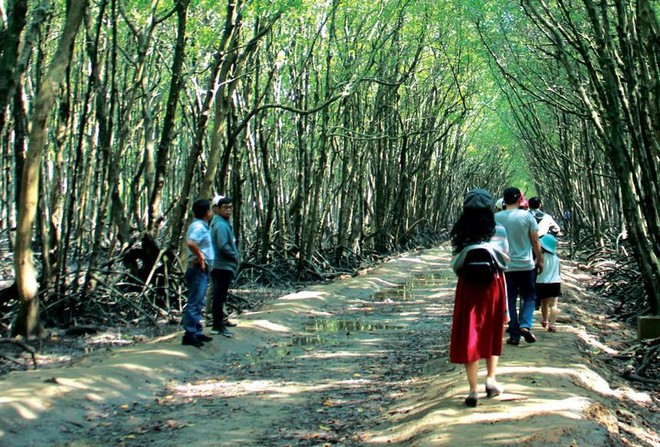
(544, 322)
(552, 328)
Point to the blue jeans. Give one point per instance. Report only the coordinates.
(197, 281)
(523, 284)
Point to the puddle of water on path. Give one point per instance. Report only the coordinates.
(404, 292)
(305, 340)
(398, 294)
(291, 347)
(440, 279)
(324, 331)
(337, 325)
(410, 290)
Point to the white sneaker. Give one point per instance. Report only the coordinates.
(493, 388)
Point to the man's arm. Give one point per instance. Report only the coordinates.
(192, 245)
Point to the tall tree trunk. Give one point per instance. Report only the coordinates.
(616, 63)
(28, 323)
(138, 92)
(9, 44)
(169, 123)
(108, 175)
(315, 214)
(20, 138)
(219, 73)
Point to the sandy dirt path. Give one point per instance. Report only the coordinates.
(360, 362)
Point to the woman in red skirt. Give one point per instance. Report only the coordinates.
(480, 305)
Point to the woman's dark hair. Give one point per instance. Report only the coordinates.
(472, 227)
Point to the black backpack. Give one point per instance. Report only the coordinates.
(538, 215)
(479, 266)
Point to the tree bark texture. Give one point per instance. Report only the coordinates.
(26, 278)
(169, 122)
(617, 105)
(342, 130)
(10, 38)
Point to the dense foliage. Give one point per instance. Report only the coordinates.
(343, 130)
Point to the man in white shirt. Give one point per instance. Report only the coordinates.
(545, 221)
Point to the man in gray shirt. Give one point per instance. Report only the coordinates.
(523, 237)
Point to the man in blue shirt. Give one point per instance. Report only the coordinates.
(522, 234)
(200, 259)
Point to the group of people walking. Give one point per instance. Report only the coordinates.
(498, 257)
(212, 253)
(522, 262)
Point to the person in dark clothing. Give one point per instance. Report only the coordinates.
(225, 265)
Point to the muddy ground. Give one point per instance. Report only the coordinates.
(360, 362)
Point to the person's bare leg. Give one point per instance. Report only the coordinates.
(491, 366)
(554, 310)
(493, 388)
(472, 370)
(544, 312)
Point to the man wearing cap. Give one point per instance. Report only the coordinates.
(225, 265)
(522, 234)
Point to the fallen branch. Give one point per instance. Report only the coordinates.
(634, 377)
(82, 330)
(652, 342)
(12, 360)
(23, 345)
(649, 356)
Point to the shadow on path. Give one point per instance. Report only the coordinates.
(359, 362)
